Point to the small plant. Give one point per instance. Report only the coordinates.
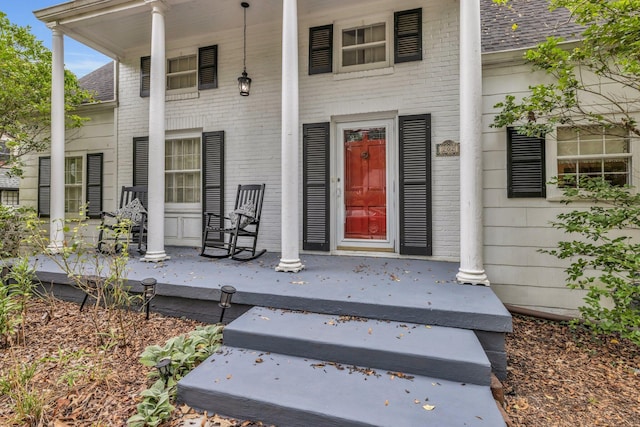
(155, 407)
(605, 259)
(10, 315)
(28, 403)
(102, 276)
(185, 352)
(21, 279)
(14, 295)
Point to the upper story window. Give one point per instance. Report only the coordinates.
(594, 151)
(181, 72)
(367, 44)
(185, 72)
(364, 46)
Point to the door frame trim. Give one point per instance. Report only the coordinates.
(338, 243)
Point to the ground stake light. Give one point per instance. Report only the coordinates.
(244, 82)
(227, 292)
(164, 369)
(149, 292)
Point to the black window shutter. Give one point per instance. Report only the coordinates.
(415, 185)
(408, 36)
(321, 49)
(145, 76)
(315, 159)
(525, 165)
(208, 67)
(213, 177)
(94, 185)
(44, 186)
(141, 160)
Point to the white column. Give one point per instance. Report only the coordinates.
(155, 235)
(56, 207)
(471, 242)
(290, 257)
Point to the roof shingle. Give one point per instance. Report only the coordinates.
(535, 22)
(100, 82)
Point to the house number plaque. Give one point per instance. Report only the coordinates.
(448, 148)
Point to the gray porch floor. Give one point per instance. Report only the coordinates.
(410, 290)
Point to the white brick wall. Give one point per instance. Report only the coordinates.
(252, 124)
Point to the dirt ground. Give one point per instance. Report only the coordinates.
(556, 376)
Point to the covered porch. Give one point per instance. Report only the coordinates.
(128, 30)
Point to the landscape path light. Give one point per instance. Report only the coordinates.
(227, 292)
(149, 285)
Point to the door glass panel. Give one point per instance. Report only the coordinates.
(365, 184)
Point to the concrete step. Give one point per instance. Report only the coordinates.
(442, 352)
(294, 391)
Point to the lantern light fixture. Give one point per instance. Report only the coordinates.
(244, 82)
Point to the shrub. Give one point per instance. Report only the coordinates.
(605, 259)
(13, 229)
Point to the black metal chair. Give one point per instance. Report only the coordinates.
(222, 234)
(133, 208)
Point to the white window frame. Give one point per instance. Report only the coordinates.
(555, 193)
(342, 26)
(185, 205)
(74, 185)
(10, 197)
(188, 72)
(338, 242)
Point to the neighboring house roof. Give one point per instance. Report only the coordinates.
(8, 182)
(100, 82)
(535, 22)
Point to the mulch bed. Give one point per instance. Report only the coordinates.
(561, 376)
(557, 376)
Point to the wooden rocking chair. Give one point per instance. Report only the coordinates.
(133, 202)
(222, 233)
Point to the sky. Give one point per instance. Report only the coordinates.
(77, 57)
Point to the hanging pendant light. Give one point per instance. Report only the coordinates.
(244, 82)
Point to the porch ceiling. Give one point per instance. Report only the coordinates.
(117, 27)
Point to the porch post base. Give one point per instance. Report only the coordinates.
(54, 248)
(472, 278)
(155, 257)
(290, 266)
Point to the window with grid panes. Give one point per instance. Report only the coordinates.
(182, 170)
(73, 184)
(182, 72)
(9, 198)
(593, 151)
(366, 45)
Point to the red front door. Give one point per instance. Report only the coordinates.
(365, 184)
